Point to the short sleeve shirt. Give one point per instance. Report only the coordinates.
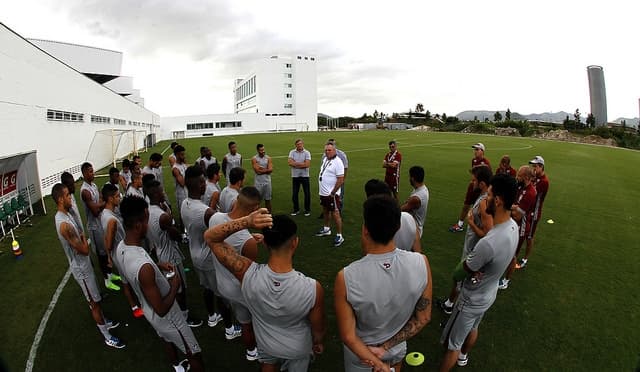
(299, 157)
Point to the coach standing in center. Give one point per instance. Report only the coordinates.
(300, 161)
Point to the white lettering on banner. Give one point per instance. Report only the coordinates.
(9, 183)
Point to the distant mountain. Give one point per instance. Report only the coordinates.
(552, 117)
(325, 116)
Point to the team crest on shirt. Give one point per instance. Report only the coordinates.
(276, 284)
(386, 265)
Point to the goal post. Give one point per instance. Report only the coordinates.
(109, 145)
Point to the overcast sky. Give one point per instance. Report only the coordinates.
(529, 56)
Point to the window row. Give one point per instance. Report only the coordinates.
(100, 119)
(246, 89)
(55, 115)
(217, 125)
(77, 117)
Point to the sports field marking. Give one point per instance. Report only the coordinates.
(165, 149)
(43, 322)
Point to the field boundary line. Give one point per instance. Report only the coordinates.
(44, 320)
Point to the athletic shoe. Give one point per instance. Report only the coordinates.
(295, 213)
(456, 228)
(462, 361)
(183, 366)
(114, 342)
(116, 277)
(324, 232)
(522, 263)
(252, 354)
(338, 241)
(446, 309)
(504, 283)
(109, 284)
(111, 324)
(234, 333)
(214, 320)
(138, 313)
(194, 323)
(307, 213)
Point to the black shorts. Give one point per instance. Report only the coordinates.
(330, 203)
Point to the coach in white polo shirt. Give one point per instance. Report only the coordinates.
(330, 180)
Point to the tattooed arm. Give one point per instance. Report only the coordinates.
(421, 316)
(227, 256)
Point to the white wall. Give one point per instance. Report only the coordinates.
(84, 58)
(33, 82)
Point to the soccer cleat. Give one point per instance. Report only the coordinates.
(235, 332)
(295, 213)
(114, 342)
(194, 323)
(522, 263)
(111, 324)
(324, 232)
(138, 313)
(183, 366)
(116, 277)
(456, 228)
(338, 241)
(214, 320)
(252, 354)
(185, 238)
(446, 309)
(503, 284)
(307, 213)
(462, 360)
(112, 286)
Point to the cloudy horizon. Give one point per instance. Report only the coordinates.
(492, 55)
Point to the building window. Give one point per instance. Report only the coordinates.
(119, 121)
(100, 119)
(299, 57)
(288, 75)
(55, 115)
(288, 95)
(288, 105)
(288, 85)
(313, 59)
(287, 65)
(195, 126)
(228, 124)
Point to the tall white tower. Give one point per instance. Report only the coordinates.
(597, 94)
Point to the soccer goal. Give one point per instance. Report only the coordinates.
(109, 145)
(292, 127)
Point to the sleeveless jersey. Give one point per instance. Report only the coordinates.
(471, 239)
(93, 223)
(193, 212)
(419, 214)
(80, 265)
(264, 163)
(167, 249)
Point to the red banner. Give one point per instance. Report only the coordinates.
(9, 182)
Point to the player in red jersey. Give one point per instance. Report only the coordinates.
(541, 184)
(472, 194)
(522, 213)
(391, 164)
(505, 167)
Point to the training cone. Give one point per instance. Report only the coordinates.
(15, 247)
(414, 359)
(550, 221)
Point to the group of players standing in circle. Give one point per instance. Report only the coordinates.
(278, 312)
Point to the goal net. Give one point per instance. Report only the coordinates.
(109, 145)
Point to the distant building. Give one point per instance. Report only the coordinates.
(280, 94)
(597, 94)
(54, 100)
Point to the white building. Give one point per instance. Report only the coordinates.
(280, 94)
(53, 101)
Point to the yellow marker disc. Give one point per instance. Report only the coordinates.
(414, 359)
(550, 221)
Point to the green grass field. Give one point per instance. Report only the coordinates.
(575, 307)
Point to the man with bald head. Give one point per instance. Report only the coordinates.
(522, 212)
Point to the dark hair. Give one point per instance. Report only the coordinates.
(66, 178)
(482, 174)
(381, 218)
(108, 190)
(173, 145)
(148, 178)
(392, 142)
(126, 163)
(504, 186)
(202, 148)
(249, 193)
(113, 171)
(86, 165)
(231, 143)
(213, 169)
(376, 187)
(152, 189)
(236, 175)
(136, 157)
(417, 173)
(258, 146)
(132, 210)
(192, 177)
(136, 174)
(283, 229)
(177, 149)
(57, 191)
(155, 157)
